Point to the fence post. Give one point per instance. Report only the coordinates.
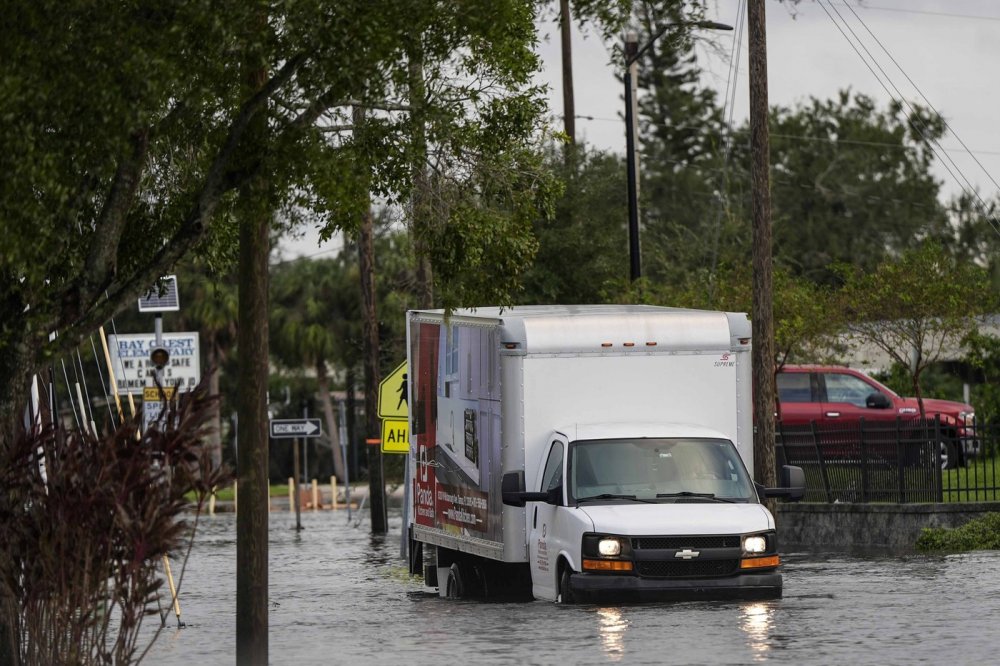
(936, 452)
(822, 463)
(863, 449)
(780, 432)
(900, 468)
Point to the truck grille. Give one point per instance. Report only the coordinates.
(687, 568)
(681, 542)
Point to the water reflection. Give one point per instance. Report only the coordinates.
(757, 623)
(612, 625)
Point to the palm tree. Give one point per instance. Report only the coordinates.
(315, 323)
(210, 307)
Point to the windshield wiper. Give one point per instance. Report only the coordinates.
(607, 496)
(688, 493)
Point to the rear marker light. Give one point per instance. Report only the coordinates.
(650, 344)
(628, 344)
(605, 344)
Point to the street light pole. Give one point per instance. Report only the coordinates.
(632, 54)
(632, 155)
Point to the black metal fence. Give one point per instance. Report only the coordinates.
(901, 461)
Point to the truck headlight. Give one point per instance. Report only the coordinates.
(606, 553)
(754, 544)
(968, 418)
(609, 547)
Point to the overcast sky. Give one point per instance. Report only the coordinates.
(946, 51)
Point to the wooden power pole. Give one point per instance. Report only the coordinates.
(254, 368)
(373, 430)
(762, 314)
(252, 456)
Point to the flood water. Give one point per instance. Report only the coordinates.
(339, 595)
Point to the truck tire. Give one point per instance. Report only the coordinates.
(455, 585)
(951, 457)
(565, 593)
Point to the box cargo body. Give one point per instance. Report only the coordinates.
(509, 397)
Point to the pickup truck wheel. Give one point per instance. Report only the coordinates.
(565, 593)
(950, 457)
(455, 586)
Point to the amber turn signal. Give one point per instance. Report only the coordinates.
(760, 562)
(606, 565)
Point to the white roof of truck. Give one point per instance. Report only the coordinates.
(552, 329)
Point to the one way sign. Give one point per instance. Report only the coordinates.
(289, 428)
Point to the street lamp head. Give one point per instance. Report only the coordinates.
(631, 46)
(712, 25)
(632, 53)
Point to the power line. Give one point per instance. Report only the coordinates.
(801, 137)
(916, 119)
(924, 12)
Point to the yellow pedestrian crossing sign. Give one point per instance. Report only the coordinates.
(393, 395)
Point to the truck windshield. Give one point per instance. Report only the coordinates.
(664, 470)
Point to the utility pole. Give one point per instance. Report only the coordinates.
(762, 356)
(369, 326)
(252, 350)
(373, 430)
(566, 42)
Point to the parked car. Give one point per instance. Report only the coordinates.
(831, 395)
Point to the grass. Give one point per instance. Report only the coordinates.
(979, 481)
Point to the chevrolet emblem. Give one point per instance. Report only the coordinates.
(687, 553)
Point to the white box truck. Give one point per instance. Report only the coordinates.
(581, 453)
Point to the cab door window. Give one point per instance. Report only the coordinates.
(847, 388)
(552, 476)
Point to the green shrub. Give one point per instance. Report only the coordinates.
(977, 534)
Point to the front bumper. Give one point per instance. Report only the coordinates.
(598, 587)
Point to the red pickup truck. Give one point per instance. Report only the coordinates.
(830, 395)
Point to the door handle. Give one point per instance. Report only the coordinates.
(833, 414)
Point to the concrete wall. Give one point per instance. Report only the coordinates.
(891, 528)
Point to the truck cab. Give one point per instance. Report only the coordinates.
(623, 512)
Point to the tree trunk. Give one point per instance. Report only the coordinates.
(763, 357)
(215, 410)
(323, 382)
(15, 375)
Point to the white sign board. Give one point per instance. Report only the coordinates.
(134, 371)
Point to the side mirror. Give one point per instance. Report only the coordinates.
(793, 484)
(513, 494)
(878, 400)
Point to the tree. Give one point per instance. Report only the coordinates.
(582, 253)
(313, 322)
(852, 184)
(210, 308)
(118, 161)
(914, 307)
(681, 131)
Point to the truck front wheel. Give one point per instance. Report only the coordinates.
(565, 593)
